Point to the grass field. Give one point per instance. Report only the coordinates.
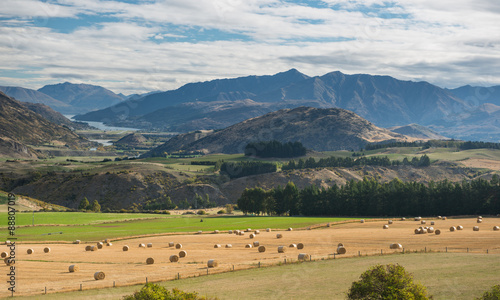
(446, 276)
(91, 226)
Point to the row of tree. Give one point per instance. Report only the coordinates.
(275, 149)
(86, 206)
(369, 197)
(246, 168)
(436, 143)
(347, 162)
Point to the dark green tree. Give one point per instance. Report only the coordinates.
(153, 291)
(96, 207)
(387, 282)
(84, 204)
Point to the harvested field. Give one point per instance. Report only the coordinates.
(40, 270)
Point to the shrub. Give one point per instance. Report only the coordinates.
(492, 294)
(201, 212)
(386, 282)
(220, 212)
(153, 291)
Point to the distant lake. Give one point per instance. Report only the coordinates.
(101, 125)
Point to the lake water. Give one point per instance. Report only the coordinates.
(101, 125)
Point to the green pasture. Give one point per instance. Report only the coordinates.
(459, 276)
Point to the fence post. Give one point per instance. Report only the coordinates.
(487, 251)
(114, 284)
(381, 252)
(425, 249)
(146, 280)
(259, 264)
(446, 249)
(467, 249)
(45, 290)
(359, 253)
(81, 287)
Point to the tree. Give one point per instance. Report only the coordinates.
(84, 204)
(95, 206)
(492, 294)
(155, 291)
(387, 282)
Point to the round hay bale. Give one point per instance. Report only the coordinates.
(4, 254)
(248, 230)
(229, 246)
(99, 275)
(212, 263)
(199, 232)
(256, 232)
(107, 241)
(7, 261)
(217, 246)
(252, 235)
(171, 244)
(46, 250)
(423, 230)
(109, 244)
(433, 223)
(88, 248)
(281, 249)
(292, 246)
(303, 256)
(150, 261)
(362, 221)
(403, 218)
(279, 236)
(268, 229)
(30, 251)
(93, 248)
(496, 228)
(99, 245)
(475, 228)
(430, 230)
(174, 258)
(248, 246)
(256, 243)
(479, 217)
(453, 228)
(396, 246)
(216, 231)
(241, 233)
(73, 268)
(290, 229)
(178, 246)
(237, 232)
(328, 225)
(77, 242)
(262, 249)
(480, 220)
(182, 253)
(142, 246)
(7, 242)
(417, 230)
(423, 222)
(341, 250)
(389, 222)
(443, 218)
(125, 248)
(340, 245)
(460, 227)
(230, 231)
(150, 245)
(418, 218)
(300, 246)
(385, 226)
(437, 232)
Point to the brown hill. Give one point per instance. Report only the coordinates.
(20, 126)
(132, 140)
(319, 129)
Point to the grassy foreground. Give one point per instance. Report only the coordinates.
(86, 227)
(446, 276)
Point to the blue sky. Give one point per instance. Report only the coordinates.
(145, 45)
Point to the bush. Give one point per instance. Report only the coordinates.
(492, 294)
(386, 282)
(220, 212)
(153, 291)
(201, 212)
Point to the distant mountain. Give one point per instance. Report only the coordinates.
(20, 127)
(54, 116)
(417, 131)
(81, 97)
(477, 95)
(318, 129)
(33, 96)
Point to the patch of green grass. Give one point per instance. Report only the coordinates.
(78, 218)
(166, 224)
(446, 276)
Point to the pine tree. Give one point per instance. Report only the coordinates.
(84, 204)
(96, 207)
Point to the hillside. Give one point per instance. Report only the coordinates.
(317, 129)
(33, 96)
(417, 131)
(54, 116)
(20, 126)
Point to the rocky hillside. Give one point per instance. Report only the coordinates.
(417, 131)
(54, 116)
(33, 96)
(317, 129)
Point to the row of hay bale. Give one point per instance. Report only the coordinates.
(426, 229)
(29, 251)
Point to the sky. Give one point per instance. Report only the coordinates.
(147, 45)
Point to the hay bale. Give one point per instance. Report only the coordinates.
(252, 235)
(423, 230)
(248, 246)
(262, 249)
(385, 226)
(73, 268)
(150, 261)
(292, 246)
(300, 246)
(281, 249)
(256, 232)
(443, 218)
(279, 236)
(237, 232)
(217, 246)
(107, 241)
(453, 228)
(430, 230)
(171, 244)
(174, 258)
(341, 250)
(423, 222)
(479, 217)
(7, 242)
(77, 242)
(241, 233)
(396, 246)
(480, 220)
(340, 245)
(403, 218)
(256, 243)
(437, 232)
(99, 245)
(178, 246)
(30, 251)
(7, 261)
(389, 222)
(93, 248)
(248, 230)
(216, 231)
(328, 225)
(88, 248)
(303, 256)
(475, 228)
(417, 230)
(150, 245)
(142, 246)
(290, 229)
(268, 229)
(199, 232)
(362, 220)
(229, 246)
(4, 254)
(496, 228)
(230, 231)
(109, 244)
(99, 275)
(182, 253)
(125, 248)
(418, 218)
(46, 250)
(460, 227)
(212, 263)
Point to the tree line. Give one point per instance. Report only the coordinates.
(246, 168)
(368, 197)
(275, 149)
(347, 162)
(468, 145)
